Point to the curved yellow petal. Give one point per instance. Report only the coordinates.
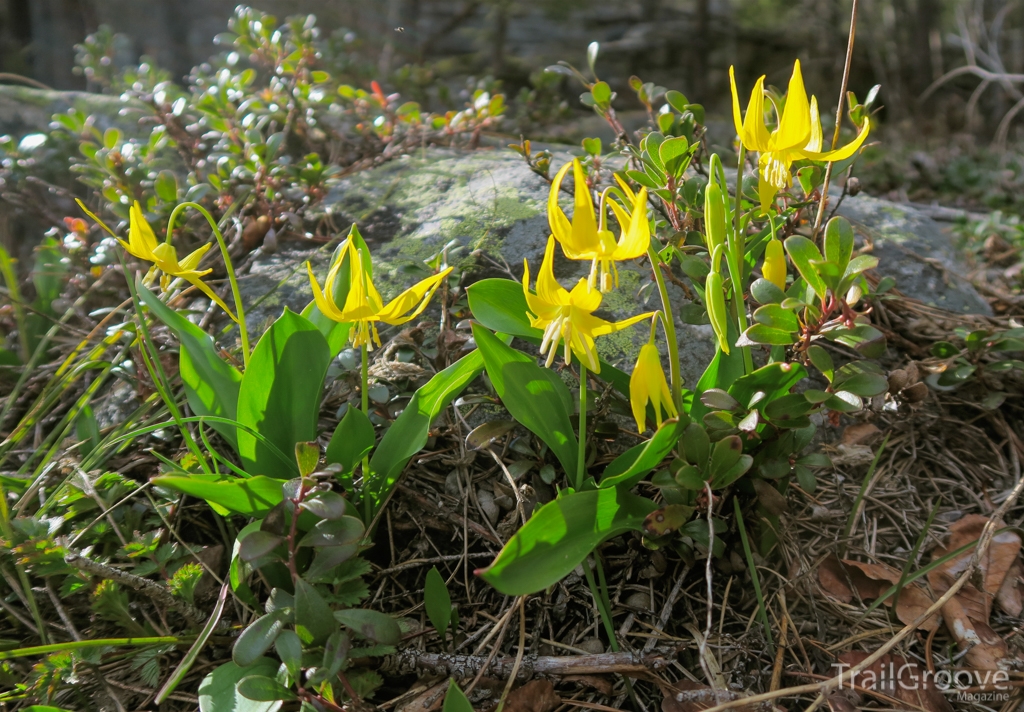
(774, 267)
(752, 132)
(417, 296)
(814, 143)
(795, 124)
(205, 289)
(599, 327)
(193, 259)
(841, 153)
(636, 236)
(560, 225)
(584, 224)
(625, 188)
(584, 297)
(639, 393)
(325, 305)
(765, 190)
(548, 288)
(140, 234)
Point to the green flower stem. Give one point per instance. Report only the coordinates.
(600, 601)
(737, 249)
(82, 644)
(151, 358)
(581, 459)
(364, 396)
(669, 323)
(239, 308)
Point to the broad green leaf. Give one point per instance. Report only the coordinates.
(288, 647)
(822, 360)
(725, 453)
(408, 434)
(307, 457)
(211, 385)
(860, 263)
(722, 372)
(803, 252)
(326, 505)
(263, 689)
(696, 445)
(761, 334)
(437, 601)
(257, 639)
(838, 242)
(280, 393)
(258, 544)
(765, 292)
(251, 497)
(560, 535)
(218, 693)
(865, 385)
(352, 440)
(536, 397)
(455, 700)
(633, 465)
(845, 402)
(166, 186)
(334, 532)
(371, 625)
(776, 317)
(312, 612)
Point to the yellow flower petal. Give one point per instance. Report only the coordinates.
(141, 239)
(417, 296)
(636, 235)
(192, 260)
(584, 225)
(795, 124)
(548, 288)
(205, 289)
(814, 143)
(584, 297)
(648, 383)
(753, 133)
(560, 226)
(774, 267)
(326, 306)
(841, 153)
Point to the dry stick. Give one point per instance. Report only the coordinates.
(462, 666)
(839, 120)
(522, 645)
(843, 678)
(494, 650)
(160, 594)
(666, 610)
(702, 653)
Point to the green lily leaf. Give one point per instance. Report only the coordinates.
(211, 385)
(633, 465)
(408, 434)
(352, 440)
(280, 393)
(535, 396)
(455, 700)
(561, 534)
(251, 497)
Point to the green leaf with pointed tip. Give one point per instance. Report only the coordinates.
(218, 691)
(312, 612)
(371, 625)
(264, 689)
(803, 253)
(257, 638)
(352, 440)
(560, 535)
(307, 457)
(409, 433)
(822, 360)
(455, 700)
(251, 497)
(634, 464)
(280, 393)
(211, 385)
(536, 397)
(437, 601)
(838, 242)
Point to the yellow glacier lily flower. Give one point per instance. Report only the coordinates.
(585, 238)
(363, 306)
(567, 317)
(142, 243)
(797, 136)
(774, 267)
(647, 383)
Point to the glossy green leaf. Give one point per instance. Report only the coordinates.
(280, 393)
(634, 464)
(326, 505)
(803, 252)
(312, 612)
(437, 601)
(560, 535)
(536, 397)
(838, 242)
(865, 385)
(334, 332)
(263, 689)
(334, 532)
(251, 497)
(765, 292)
(211, 385)
(257, 638)
(288, 647)
(371, 625)
(307, 457)
(696, 445)
(761, 334)
(218, 690)
(822, 360)
(352, 440)
(776, 317)
(773, 379)
(408, 434)
(258, 544)
(455, 700)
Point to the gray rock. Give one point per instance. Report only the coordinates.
(493, 206)
(24, 110)
(917, 251)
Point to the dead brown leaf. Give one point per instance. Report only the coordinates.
(838, 702)
(894, 676)
(429, 700)
(600, 683)
(534, 696)
(859, 434)
(870, 581)
(1009, 595)
(687, 696)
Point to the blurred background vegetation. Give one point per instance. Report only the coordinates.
(939, 129)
